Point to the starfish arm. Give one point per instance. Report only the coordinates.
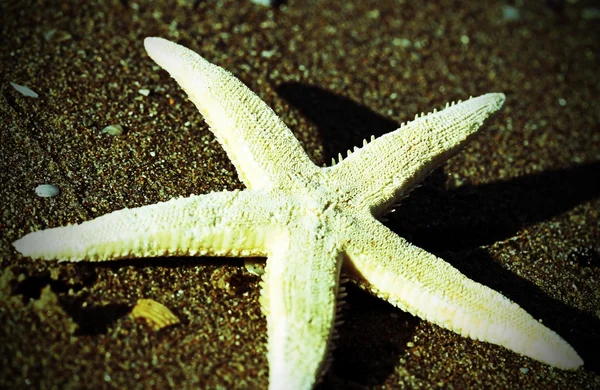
(262, 148)
(391, 165)
(426, 286)
(233, 223)
(299, 293)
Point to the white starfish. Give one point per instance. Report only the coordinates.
(308, 221)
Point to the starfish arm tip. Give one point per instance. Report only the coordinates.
(164, 52)
(153, 44)
(559, 354)
(53, 244)
(180, 62)
(34, 245)
(20, 246)
(499, 98)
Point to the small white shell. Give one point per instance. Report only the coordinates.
(264, 2)
(254, 266)
(113, 130)
(156, 314)
(46, 190)
(24, 90)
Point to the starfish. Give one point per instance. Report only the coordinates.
(308, 221)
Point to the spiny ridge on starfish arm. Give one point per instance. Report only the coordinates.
(308, 221)
(410, 153)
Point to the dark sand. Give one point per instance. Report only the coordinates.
(517, 210)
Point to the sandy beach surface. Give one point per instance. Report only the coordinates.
(517, 210)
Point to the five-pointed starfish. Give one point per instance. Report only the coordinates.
(307, 221)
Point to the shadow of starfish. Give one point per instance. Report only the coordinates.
(476, 215)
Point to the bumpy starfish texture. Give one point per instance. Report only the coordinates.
(308, 221)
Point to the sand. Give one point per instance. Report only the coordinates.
(517, 210)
